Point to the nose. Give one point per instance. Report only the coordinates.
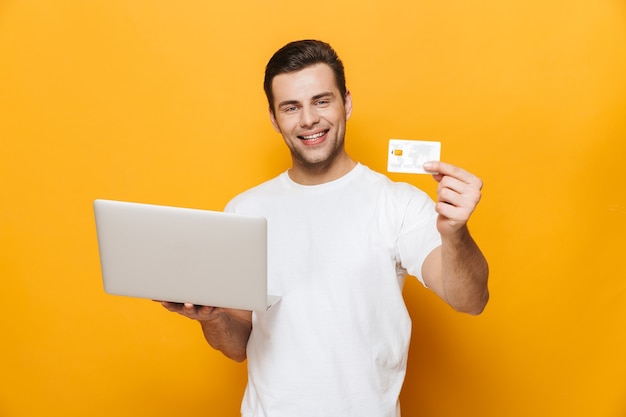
(309, 116)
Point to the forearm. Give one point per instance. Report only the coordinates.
(464, 273)
(457, 271)
(228, 334)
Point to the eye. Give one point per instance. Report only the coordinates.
(290, 109)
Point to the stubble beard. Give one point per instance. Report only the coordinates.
(317, 164)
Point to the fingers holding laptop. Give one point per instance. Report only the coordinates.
(189, 310)
(202, 313)
(225, 329)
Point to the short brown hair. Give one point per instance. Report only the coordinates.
(298, 55)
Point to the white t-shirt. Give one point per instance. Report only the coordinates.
(336, 345)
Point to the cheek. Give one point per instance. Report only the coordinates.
(284, 124)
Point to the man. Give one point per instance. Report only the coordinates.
(341, 240)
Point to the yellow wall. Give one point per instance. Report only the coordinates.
(161, 101)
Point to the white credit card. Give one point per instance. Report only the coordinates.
(409, 156)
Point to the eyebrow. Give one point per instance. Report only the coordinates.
(315, 97)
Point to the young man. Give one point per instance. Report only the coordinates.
(341, 240)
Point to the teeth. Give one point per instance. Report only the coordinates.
(315, 136)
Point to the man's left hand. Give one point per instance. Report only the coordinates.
(458, 194)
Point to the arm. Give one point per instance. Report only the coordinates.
(226, 330)
(457, 270)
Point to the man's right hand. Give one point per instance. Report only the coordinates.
(192, 311)
(225, 329)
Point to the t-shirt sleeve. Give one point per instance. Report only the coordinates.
(418, 234)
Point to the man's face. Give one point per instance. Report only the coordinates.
(311, 115)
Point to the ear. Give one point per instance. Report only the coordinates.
(273, 120)
(348, 104)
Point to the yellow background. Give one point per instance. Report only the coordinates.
(161, 102)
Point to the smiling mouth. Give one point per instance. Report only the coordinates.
(313, 137)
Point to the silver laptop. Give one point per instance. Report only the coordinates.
(183, 255)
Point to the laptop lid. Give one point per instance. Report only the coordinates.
(183, 255)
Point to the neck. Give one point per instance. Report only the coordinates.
(315, 174)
